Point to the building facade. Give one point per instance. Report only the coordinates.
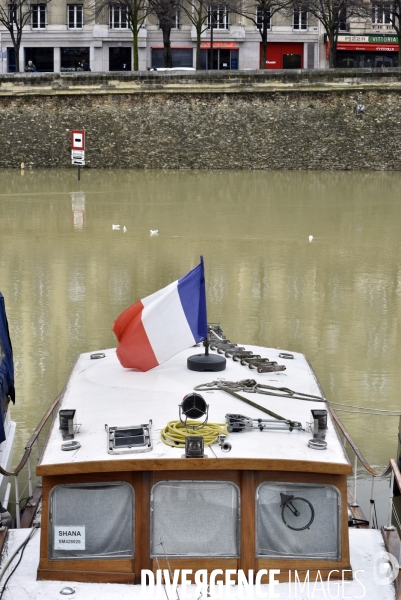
(63, 36)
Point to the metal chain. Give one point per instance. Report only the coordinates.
(246, 357)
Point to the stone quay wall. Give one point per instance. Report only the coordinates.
(220, 120)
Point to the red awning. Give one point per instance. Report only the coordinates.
(229, 45)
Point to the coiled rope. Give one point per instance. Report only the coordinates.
(175, 432)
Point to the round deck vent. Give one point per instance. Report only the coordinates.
(317, 444)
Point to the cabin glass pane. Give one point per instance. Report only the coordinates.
(92, 521)
(195, 518)
(306, 526)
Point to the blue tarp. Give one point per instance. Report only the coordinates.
(6, 366)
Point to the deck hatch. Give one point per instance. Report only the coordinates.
(127, 440)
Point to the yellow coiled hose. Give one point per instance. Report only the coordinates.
(175, 432)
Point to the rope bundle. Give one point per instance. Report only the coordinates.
(175, 432)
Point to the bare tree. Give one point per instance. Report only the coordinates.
(197, 13)
(167, 12)
(261, 12)
(334, 16)
(14, 16)
(131, 13)
(204, 15)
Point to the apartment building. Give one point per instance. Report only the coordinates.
(63, 34)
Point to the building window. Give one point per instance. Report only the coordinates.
(118, 17)
(342, 17)
(12, 13)
(300, 19)
(91, 520)
(181, 57)
(119, 59)
(75, 14)
(223, 59)
(263, 18)
(382, 14)
(72, 59)
(213, 505)
(38, 16)
(176, 23)
(42, 58)
(217, 17)
(291, 517)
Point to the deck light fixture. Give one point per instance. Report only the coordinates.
(194, 446)
(67, 423)
(319, 423)
(193, 406)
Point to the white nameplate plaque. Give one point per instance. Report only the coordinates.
(69, 537)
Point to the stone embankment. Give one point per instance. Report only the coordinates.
(220, 120)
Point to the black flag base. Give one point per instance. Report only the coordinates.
(206, 362)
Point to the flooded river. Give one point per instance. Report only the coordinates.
(66, 274)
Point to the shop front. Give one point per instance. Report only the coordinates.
(119, 59)
(225, 56)
(283, 55)
(363, 51)
(181, 56)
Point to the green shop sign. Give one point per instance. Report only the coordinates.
(387, 39)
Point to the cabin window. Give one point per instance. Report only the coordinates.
(91, 521)
(195, 518)
(298, 521)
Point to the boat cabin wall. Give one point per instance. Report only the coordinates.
(109, 527)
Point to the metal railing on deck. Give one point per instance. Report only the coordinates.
(26, 459)
(392, 470)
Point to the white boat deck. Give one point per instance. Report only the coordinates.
(365, 544)
(103, 392)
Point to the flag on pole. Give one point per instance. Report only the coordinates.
(154, 329)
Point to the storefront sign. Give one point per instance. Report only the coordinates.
(355, 39)
(386, 39)
(367, 39)
(228, 45)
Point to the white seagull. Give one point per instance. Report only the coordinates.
(311, 238)
(154, 232)
(124, 229)
(115, 227)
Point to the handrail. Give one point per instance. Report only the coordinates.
(35, 435)
(32, 440)
(397, 473)
(355, 448)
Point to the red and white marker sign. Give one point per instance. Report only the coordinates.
(77, 139)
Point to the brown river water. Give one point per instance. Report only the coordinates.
(66, 274)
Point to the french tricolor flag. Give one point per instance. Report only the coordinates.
(154, 329)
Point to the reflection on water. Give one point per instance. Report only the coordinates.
(66, 274)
